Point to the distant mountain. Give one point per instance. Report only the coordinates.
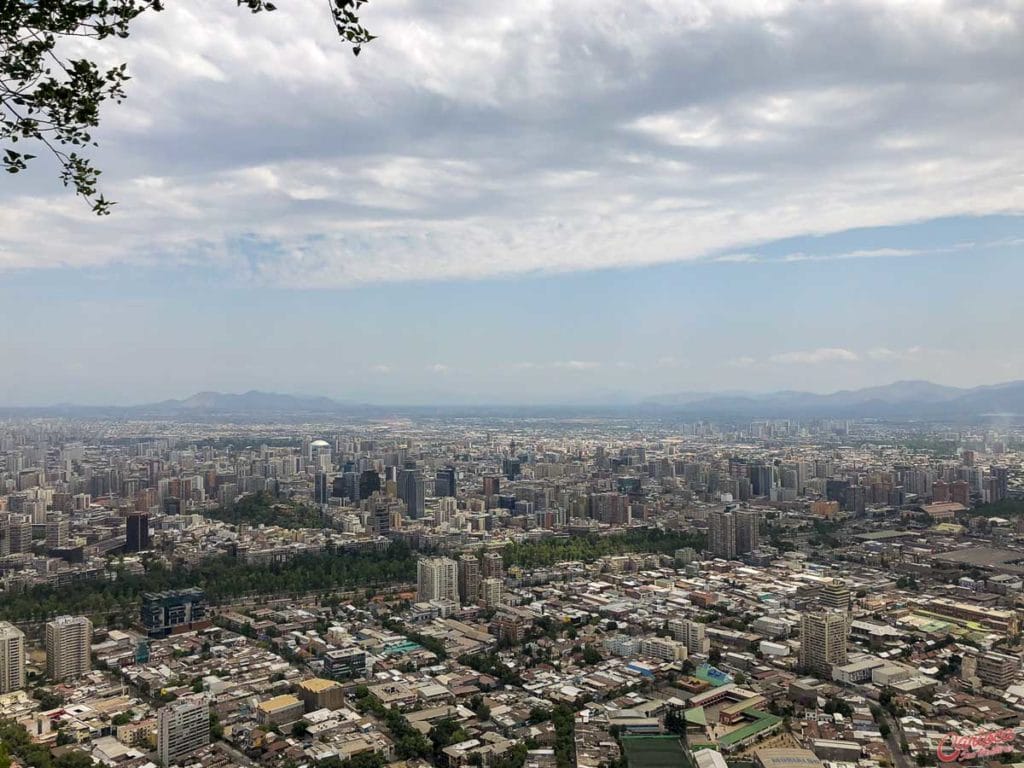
(902, 399)
(250, 403)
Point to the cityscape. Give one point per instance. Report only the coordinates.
(509, 590)
(474, 384)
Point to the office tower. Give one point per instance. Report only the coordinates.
(437, 579)
(5, 535)
(411, 491)
(369, 483)
(469, 579)
(320, 456)
(137, 539)
(58, 531)
(762, 479)
(748, 531)
(492, 485)
(346, 486)
(1000, 482)
(12, 658)
(823, 641)
(183, 726)
(171, 505)
(445, 483)
(490, 593)
(493, 566)
(181, 610)
(940, 491)
(68, 647)
(722, 534)
(835, 596)
(321, 488)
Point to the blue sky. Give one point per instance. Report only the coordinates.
(536, 202)
(136, 334)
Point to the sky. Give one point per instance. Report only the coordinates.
(533, 202)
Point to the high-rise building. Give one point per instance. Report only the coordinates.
(823, 641)
(490, 592)
(321, 488)
(58, 531)
(137, 539)
(445, 482)
(492, 485)
(20, 532)
(722, 534)
(960, 492)
(998, 669)
(369, 483)
(437, 579)
(12, 658)
(748, 533)
(835, 596)
(68, 647)
(411, 491)
(469, 579)
(183, 726)
(692, 634)
(493, 566)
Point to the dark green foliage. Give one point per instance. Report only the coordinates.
(51, 102)
(547, 552)
(565, 753)
(491, 664)
(263, 509)
(221, 577)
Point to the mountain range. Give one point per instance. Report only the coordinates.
(902, 400)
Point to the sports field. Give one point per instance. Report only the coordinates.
(654, 752)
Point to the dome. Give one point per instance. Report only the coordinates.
(319, 444)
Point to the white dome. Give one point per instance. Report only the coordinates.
(320, 444)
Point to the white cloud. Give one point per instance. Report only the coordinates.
(439, 368)
(577, 365)
(742, 362)
(380, 369)
(813, 356)
(474, 140)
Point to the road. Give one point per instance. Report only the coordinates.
(899, 759)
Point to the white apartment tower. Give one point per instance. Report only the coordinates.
(68, 647)
(12, 658)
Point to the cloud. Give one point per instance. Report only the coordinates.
(380, 369)
(814, 356)
(439, 368)
(576, 365)
(474, 140)
(742, 362)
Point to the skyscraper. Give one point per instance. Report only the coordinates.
(411, 491)
(369, 483)
(469, 579)
(437, 579)
(748, 533)
(58, 531)
(12, 658)
(321, 488)
(137, 539)
(722, 534)
(445, 483)
(183, 726)
(68, 647)
(823, 641)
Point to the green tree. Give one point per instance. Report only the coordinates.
(51, 102)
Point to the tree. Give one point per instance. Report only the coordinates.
(51, 101)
